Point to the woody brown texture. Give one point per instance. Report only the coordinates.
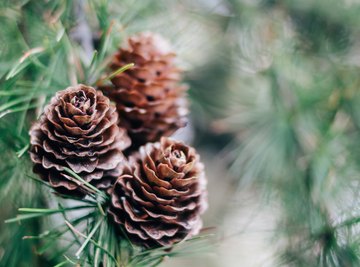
(148, 97)
(160, 197)
(78, 130)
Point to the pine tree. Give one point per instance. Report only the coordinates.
(273, 86)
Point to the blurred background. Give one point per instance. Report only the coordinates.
(275, 115)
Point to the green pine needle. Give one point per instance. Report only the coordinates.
(100, 194)
(35, 213)
(88, 238)
(115, 73)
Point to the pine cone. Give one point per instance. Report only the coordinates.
(148, 97)
(160, 198)
(78, 130)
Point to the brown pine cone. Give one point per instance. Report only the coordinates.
(78, 130)
(160, 198)
(148, 97)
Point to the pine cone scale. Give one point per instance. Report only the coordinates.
(59, 182)
(153, 179)
(167, 172)
(79, 166)
(152, 197)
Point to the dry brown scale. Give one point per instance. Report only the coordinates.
(78, 130)
(148, 97)
(160, 196)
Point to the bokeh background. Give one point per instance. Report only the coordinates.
(275, 115)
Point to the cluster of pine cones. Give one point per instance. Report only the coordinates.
(156, 184)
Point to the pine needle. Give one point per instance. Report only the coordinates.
(88, 238)
(115, 73)
(89, 186)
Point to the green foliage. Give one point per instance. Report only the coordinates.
(291, 104)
